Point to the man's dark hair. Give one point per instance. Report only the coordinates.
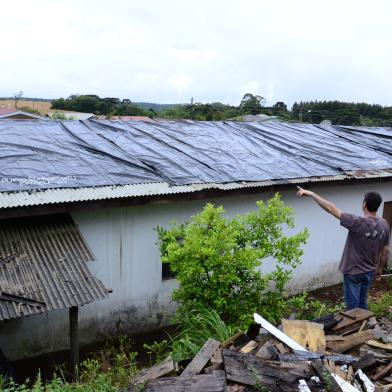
(372, 200)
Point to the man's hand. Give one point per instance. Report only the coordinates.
(377, 275)
(324, 204)
(303, 192)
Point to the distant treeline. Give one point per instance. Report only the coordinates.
(101, 106)
(250, 104)
(344, 113)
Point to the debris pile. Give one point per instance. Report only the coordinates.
(348, 351)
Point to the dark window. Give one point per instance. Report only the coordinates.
(387, 213)
(167, 273)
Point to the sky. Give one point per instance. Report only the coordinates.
(168, 51)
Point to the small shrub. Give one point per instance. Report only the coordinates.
(157, 351)
(383, 306)
(216, 261)
(311, 309)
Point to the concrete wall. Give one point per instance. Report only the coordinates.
(124, 243)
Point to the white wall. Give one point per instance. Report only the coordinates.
(124, 243)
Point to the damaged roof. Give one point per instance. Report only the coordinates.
(43, 267)
(82, 160)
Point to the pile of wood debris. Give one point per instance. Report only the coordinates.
(349, 351)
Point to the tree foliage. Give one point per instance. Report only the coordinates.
(216, 261)
(342, 113)
(252, 104)
(104, 106)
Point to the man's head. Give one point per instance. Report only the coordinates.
(372, 201)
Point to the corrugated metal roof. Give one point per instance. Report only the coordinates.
(72, 195)
(43, 267)
(10, 113)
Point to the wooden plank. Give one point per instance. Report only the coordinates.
(364, 381)
(217, 356)
(386, 371)
(232, 340)
(281, 348)
(326, 376)
(156, 371)
(350, 374)
(307, 356)
(202, 357)
(278, 334)
(383, 346)
(329, 338)
(249, 370)
(384, 388)
(212, 368)
(200, 383)
(350, 341)
(380, 355)
(365, 361)
(363, 325)
(267, 351)
(306, 333)
(299, 369)
(346, 322)
(250, 346)
(334, 369)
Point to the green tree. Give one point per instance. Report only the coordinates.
(217, 261)
(252, 104)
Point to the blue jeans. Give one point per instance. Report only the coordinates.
(356, 289)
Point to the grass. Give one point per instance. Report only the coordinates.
(197, 326)
(382, 306)
(109, 370)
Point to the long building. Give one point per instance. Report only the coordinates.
(111, 183)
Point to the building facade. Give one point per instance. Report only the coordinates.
(123, 242)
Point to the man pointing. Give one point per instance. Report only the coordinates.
(367, 246)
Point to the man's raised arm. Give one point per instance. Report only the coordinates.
(324, 204)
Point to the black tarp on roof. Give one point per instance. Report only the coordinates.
(70, 154)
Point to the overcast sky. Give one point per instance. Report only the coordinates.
(168, 51)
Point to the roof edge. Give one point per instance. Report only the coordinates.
(72, 195)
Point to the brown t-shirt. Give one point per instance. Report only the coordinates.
(365, 239)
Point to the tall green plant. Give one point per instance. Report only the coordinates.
(216, 261)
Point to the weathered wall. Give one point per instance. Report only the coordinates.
(124, 243)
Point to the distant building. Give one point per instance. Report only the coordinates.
(69, 115)
(259, 117)
(132, 118)
(14, 114)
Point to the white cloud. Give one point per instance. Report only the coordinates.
(211, 50)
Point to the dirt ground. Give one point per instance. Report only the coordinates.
(42, 107)
(334, 294)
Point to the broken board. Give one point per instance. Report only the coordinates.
(200, 383)
(351, 319)
(202, 357)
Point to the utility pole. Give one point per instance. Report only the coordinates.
(192, 108)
